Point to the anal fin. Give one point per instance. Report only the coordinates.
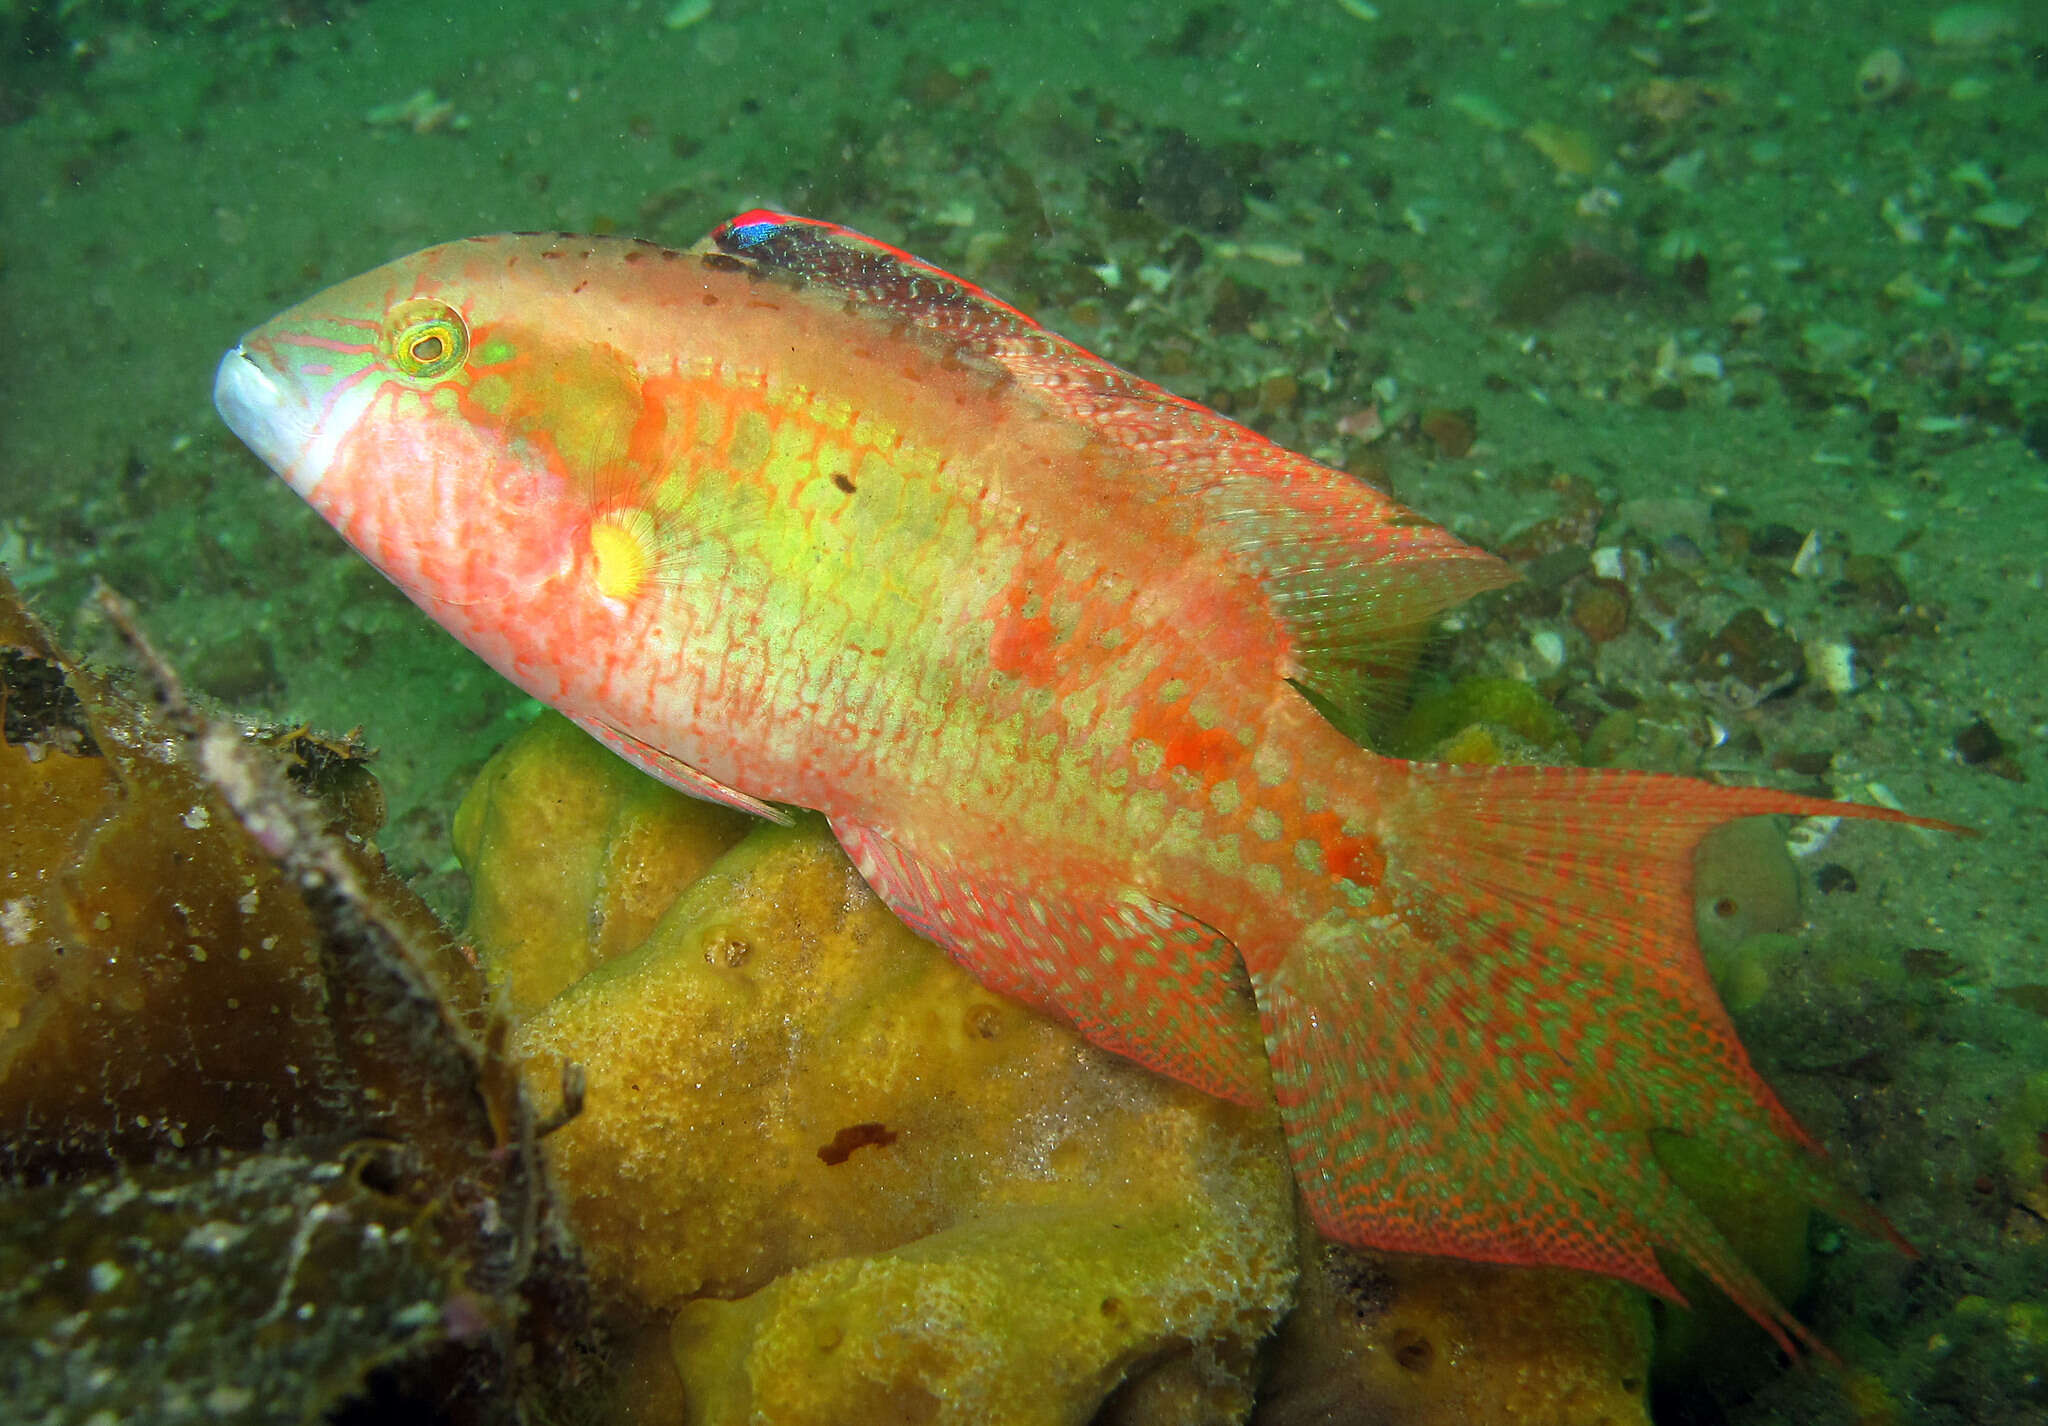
(675, 772)
(1136, 977)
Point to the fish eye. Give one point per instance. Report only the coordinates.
(425, 339)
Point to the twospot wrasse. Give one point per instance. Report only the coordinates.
(795, 519)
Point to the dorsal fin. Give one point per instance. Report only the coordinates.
(812, 250)
(1352, 573)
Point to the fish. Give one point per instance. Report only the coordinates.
(1076, 671)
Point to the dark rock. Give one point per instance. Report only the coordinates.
(1185, 182)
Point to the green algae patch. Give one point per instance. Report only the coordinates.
(2022, 1136)
(1767, 1223)
(1490, 720)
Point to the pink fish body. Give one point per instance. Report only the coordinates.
(794, 518)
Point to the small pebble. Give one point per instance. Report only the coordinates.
(1808, 563)
(1452, 431)
(2006, 214)
(1972, 26)
(1680, 550)
(1832, 664)
(1601, 612)
(1279, 392)
(1979, 743)
(1882, 77)
(1833, 877)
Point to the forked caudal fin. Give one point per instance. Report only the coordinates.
(1475, 1063)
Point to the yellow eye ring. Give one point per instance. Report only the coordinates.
(425, 339)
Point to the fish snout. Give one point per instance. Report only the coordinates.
(270, 417)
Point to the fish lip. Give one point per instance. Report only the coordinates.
(266, 414)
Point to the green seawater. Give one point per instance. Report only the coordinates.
(1720, 307)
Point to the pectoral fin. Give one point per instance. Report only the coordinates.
(675, 772)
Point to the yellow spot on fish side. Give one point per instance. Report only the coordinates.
(622, 552)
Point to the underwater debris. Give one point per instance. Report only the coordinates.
(223, 1015)
(1978, 745)
(423, 111)
(336, 772)
(1556, 272)
(1452, 432)
(1883, 76)
(1748, 659)
(253, 1287)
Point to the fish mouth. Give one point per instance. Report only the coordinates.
(271, 419)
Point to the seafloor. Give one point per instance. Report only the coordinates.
(1728, 322)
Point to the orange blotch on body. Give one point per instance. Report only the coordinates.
(1210, 752)
(1026, 647)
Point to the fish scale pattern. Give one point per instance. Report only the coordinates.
(1344, 565)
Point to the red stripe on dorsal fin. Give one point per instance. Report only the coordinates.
(1352, 574)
